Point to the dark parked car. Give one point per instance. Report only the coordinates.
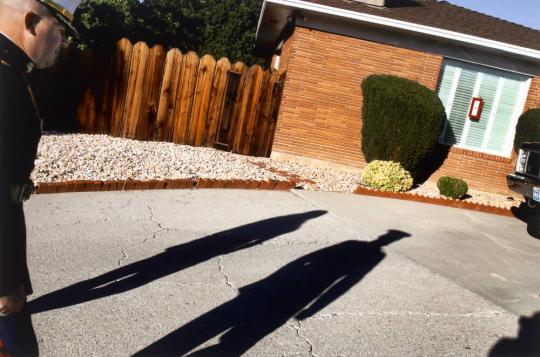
(526, 181)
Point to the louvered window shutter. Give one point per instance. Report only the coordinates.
(503, 96)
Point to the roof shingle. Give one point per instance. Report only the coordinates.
(446, 16)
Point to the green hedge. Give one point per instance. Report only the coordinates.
(528, 128)
(402, 120)
(452, 187)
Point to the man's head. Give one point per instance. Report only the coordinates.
(38, 27)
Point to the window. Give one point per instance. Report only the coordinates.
(504, 95)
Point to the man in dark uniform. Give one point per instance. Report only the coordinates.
(32, 34)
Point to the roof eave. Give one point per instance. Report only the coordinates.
(433, 32)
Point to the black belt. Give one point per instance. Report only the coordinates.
(20, 193)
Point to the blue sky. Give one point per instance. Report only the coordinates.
(523, 12)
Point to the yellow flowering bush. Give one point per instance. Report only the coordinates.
(387, 176)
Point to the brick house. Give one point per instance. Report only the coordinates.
(327, 47)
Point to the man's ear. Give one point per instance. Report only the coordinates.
(31, 20)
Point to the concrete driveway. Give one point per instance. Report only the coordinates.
(264, 273)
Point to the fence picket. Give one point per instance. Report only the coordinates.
(232, 126)
(217, 97)
(103, 88)
(150, 97)
(136, 80)
(185, 97)
(201, 100)
(248, 113)
(85, 111)
(122, 62)
(262, 121)
(277, 92)
(167, 97)
(68, 92)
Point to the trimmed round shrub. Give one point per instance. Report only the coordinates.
(452, 187)
(528, 128)
(401, 120)
(387, 176)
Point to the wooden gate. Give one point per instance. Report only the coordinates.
(146, 93)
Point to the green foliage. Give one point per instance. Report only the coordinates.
(101, 23)
(172, 23)
(402, 120)
(222, 28)
(230, 27)
(387, 176)
(452, 187)
(528, 128)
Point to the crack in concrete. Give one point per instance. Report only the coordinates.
(180, 284)
(483, 314)
(125, 249)
(227, 278)
(152, 214)
(286, 244)
(160, 228)
(56, 225)
(297, 326)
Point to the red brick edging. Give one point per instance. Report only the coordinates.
(128, 185)
(435, 200)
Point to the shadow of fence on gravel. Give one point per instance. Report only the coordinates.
(300, 289)
(172, 260)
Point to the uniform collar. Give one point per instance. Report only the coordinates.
(14, 56)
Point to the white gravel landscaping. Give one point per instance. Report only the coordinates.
(68, 157)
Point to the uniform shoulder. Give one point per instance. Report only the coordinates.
(9, 77)
(6, 71)
(8, 82)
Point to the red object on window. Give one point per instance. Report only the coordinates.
(476, 108)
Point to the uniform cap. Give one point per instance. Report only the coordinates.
(63, 10)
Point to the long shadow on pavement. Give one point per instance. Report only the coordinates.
(300, 289)
(172, 260)
(527, 343)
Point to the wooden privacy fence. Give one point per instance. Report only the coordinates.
(149, 94)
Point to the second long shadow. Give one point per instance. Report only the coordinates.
(172, 260)
(299, 289)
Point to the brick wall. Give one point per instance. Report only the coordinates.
(481, 171)
(320, 113)
(287, 53)
(533, 99)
